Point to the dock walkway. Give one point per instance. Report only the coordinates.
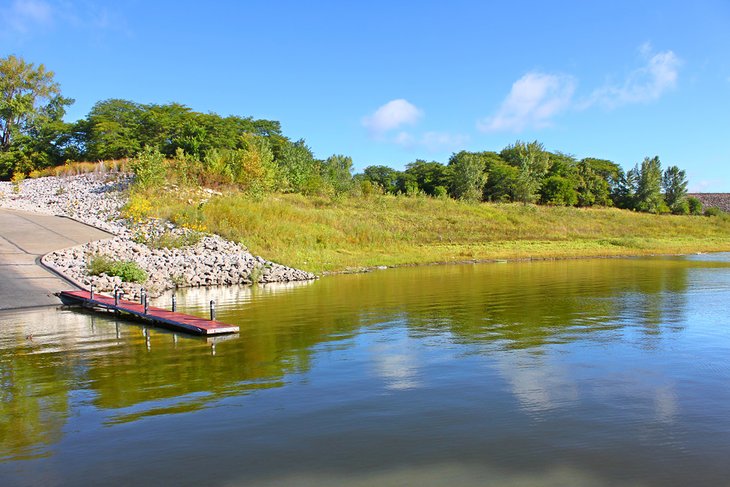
(158, 316)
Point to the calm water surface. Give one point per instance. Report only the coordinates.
(592, 373)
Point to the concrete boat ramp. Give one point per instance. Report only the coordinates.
(24, 238)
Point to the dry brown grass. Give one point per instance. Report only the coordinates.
(76, 168)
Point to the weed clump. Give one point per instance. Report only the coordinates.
(126, 270)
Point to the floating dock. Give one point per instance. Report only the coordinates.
(158, 316)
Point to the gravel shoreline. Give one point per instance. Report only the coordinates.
(96, 199)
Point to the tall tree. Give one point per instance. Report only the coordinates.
(532, 162)
(649, 187)
(501, 178)
(467, 176)
(592, 188)
(30, 102)
(115, 129)
(674, 182)
(336, 172)
(299, 169)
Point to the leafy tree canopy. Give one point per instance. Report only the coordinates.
(31, 113)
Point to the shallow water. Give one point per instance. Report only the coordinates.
(593, 373)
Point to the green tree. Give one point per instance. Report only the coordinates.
(609, 171)
(674, 182)
(298, 168)
(383, 176)
(649, 186)
(532, 162)
(558, 191)
(695, 206)
(501, 178)
(559, 186)
(115, 130)
(31, 113)
(625, 194)
(468, 176)
(336, 172)
(429, 175)
(592, 189)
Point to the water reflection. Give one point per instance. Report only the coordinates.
(396, 361)
(550, 339)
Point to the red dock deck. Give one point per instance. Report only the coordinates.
(159, 316)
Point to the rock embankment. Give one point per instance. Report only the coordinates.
(714, 200)
(203, 259)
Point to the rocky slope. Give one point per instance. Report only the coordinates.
(96, 199)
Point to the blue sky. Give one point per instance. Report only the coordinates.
(390, 82)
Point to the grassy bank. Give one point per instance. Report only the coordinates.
(321, 234)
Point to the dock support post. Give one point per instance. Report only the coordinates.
(91, 292)
(146, 304)
(116, 296)
(174, 303)
(212, 310)
(142, 295)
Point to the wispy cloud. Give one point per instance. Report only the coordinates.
(391, 116)
(23, 19)
(387, 124)
(645, 84)
(24, 15)
(532, 102)
(537, 98)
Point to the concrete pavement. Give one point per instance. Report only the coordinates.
(24, 238)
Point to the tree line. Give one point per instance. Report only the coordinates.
(526, 172)
(171, 139)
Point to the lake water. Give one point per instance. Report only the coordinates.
(592, 373)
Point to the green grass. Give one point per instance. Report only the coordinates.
(321, 234)
(127, 271)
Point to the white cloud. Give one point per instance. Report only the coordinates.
(642, 85)
(536, 98)
(24, 15)
(532, 102)
(391, 116)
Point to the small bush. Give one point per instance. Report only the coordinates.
(681, 208)
(440, 192)
(712, 211)
(18, 176)
(149, 168)
(695, 206)
(127, 271)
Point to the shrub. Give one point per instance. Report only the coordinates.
(440, 192)
(149, 168)
(126, 270)
(18, 176)
(681, 208)
(712, 211)
(695, 206)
